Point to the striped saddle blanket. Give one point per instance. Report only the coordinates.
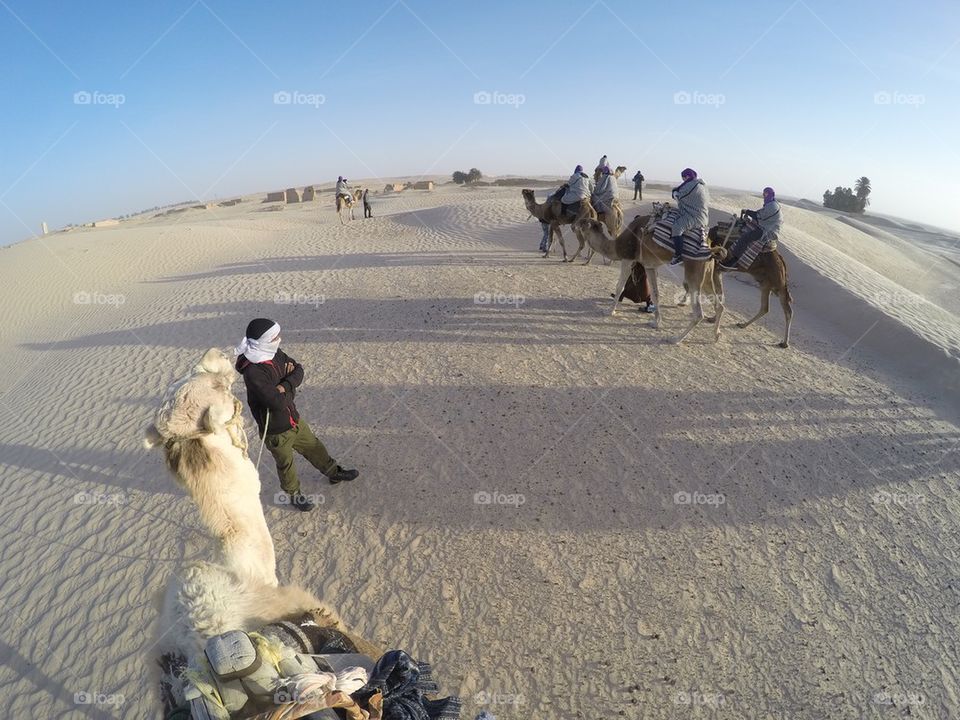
(694, 241)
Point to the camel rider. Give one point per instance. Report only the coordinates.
(604, 163)
(693, 200)
(579, 187)
(343, 189)
(768, 221)
(605, 192)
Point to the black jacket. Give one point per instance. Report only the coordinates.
(261, 380)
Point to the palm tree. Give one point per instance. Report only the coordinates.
(863, 190)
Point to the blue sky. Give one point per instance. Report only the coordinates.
(803, 95)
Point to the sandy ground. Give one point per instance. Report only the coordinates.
(815, 576)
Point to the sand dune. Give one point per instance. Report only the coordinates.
(446, 360)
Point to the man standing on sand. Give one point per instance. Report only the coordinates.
(367, 212)
(272, 377)
(638, 186)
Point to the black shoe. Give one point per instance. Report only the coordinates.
(342, 475)
(301, 502)
(677, 259)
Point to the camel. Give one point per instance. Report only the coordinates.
(552, 213)
(348, 202)
(238, 588)
(612, 219)
(770, 271)
(200, 427)
(636, 244)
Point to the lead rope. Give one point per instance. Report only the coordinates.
(263, 440)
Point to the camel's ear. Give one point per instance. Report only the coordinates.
(151, 436)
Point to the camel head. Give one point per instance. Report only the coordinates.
(621, 169)
(199, 404)
(589, 227)
(529, 198)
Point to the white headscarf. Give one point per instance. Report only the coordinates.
(262, 348)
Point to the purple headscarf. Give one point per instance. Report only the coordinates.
(688, 174)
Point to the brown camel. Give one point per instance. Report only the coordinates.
(769, 270)
(636, 244)
(552, 213)
(348, 203)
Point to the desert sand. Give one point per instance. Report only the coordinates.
(814, 577)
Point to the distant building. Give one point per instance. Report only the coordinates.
(395, 187)
(423, 185)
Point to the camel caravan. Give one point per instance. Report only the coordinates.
(668, 235)
(234, 642)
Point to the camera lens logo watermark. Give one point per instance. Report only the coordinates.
(486, 697)
(295, 97)
(282, 498)
(498, 498)
(85, 297)
(886, 97)
(85, 97)
(699, 699)
(288, 298)
(698, 498)
(484, 97)
(883, 497)
(498, 298)
(899, 699)
(90, 498)
(91, 697)
(684, 97)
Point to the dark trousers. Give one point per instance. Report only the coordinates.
(367, 212)
(637, 192)
(742, 243)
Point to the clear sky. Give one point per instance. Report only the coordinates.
(803, 95)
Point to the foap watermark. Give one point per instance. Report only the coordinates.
(92, 498)
(288, 298)
(695, 698)
(887, 97)
(685, 97)
(282, 498)
(498, 298)
(488, 697)
(884, 497)
(498, 498)
(86, 97)
(92, 697)
(900, 699)
(901, 298)
(95, 297)
(295, 97)
(698, 498)
(485, 97)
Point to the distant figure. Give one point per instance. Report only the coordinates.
(367, 212)
(692, 200)
(598, 170)
(766, 227)
(343, 188)
(638, 186)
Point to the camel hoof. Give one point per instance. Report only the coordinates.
(710, 319)
(741, 325)
(783, 344)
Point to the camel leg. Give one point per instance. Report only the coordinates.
(625, 267)
(686, 295)
(787, 316)
(764, 308)
(716, 287)
(581, 240)
(589, 256)
(654, 294)
(697, 304)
